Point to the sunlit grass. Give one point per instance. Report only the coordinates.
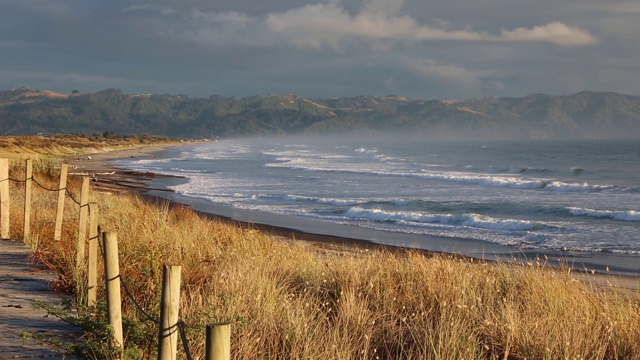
(292, 300)
(47, 147)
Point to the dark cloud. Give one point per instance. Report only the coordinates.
(435, 49)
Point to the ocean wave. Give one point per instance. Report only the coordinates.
(286, 153)
(508, 181)
(617, 251)
(342, 202)
(207, 153)
(189, 171)
(511, 181)
(520, 170)
(620, 215)
(471, 220)
(384, 158)
(317, 200)
(576, 170)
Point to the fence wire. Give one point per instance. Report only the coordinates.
(71, 196)
(16, 180)
(67, 191)
(185, 341)
(44, 187)
(138, 306)
(181, 324)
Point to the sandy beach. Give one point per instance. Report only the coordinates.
(106, 176)
(152, 187)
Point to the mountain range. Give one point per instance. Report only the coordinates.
(583, 115)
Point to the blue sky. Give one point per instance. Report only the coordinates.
(437, 49)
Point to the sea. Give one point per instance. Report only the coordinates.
(580, 198)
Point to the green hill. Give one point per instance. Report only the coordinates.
(582, 115)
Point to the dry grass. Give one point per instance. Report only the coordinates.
(287, 300)
(47, 147)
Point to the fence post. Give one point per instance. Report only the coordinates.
(4, 198)
(169, 308)
(26, 233)
(112, 277)
(82, 224)
(218, 342)
(62, 187)
(92, 264)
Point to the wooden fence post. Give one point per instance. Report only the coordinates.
(112, 277)
(169, 308)
(218, 342)
(4, 198)
(62, 188)
(92, 264)
(26, 232)
(82, 224)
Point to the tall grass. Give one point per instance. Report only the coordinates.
(288, 299)
(46, 147)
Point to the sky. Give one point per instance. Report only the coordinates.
(421, 49)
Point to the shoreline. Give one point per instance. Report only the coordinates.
(109, 177)
(602, 268)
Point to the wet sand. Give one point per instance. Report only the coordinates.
(107, 177)
(152, 187)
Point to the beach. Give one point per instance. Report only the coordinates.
(255, 268)
(153, 188)
(105, 175)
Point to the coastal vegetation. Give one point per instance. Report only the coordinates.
(291, 299)
(584, 115)
(56, 145)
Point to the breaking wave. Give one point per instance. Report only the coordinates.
(482, 179)
(620, 215)
(472, 220)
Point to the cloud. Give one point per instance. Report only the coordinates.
(330, 25)
(164, 10)
(377, 25)
(330, 47)
(136, 8)
(387, 7)
(225, 29)
(555, 32)
(449, 74)
(41, 79)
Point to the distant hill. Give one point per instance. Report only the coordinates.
(537, 116)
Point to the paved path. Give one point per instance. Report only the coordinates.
(21, 282)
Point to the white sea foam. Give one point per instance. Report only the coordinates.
(148, 161)
(229, 152)
(317, 200)
(188, 171)
(508, 181)
(515, 182)
(621, 215)
(363, 150)
(287, 153)
(538, 202)
(472, 220)
(569, 187)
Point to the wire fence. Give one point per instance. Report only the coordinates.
(182, 327)
(181, 324)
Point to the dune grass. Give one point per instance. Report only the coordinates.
(56, 145)
(288, 299)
